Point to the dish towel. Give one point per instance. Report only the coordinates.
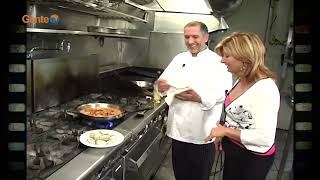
(172, 92)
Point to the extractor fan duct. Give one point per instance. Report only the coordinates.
(222, 8)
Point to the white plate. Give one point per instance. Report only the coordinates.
(117, 138)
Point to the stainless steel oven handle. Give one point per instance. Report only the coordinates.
(105, 177)
(146, 153)
(142, 158)
(130, 147)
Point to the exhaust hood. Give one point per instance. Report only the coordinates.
(168, 22)
(148, 5)
(211, 12)
(214, 7)
(183, 6)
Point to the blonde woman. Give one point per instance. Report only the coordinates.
(247, 129)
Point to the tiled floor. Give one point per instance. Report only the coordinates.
(165, 171)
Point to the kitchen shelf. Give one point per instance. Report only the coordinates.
(90, 8)
(73, 32)
(113, 67)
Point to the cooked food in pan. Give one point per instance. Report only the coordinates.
(101, 111)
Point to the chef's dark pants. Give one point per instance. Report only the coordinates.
(192, 161)
(240, 164)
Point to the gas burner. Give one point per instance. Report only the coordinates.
(65, 140)
(39, 163)
(124, 101)
(72, 104)
(109, 98)
(93, 96)
(145, 100)
(64, 131)
(102, 125)
(52, 113)
(39, 125)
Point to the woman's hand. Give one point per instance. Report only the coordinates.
(220, 131)
(217, 132)
(218, 143)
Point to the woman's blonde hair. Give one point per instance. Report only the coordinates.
(248, 48)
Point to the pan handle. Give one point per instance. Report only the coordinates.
(140, 109)
(73, 114)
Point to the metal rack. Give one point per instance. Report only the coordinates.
(287, 58)
(55, 31)
(287, 61)
(90, 8)
(98, 10)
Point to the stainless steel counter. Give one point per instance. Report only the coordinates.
(92, 160)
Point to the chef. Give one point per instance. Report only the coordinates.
(194, 84)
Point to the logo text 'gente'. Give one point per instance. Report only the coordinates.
(53, 19)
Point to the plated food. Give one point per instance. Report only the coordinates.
(101, 138)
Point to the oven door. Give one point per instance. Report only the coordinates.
(143, 160)
(115, 172)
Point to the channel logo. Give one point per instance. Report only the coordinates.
(53, 19)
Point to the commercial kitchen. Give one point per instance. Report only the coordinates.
(110, 52)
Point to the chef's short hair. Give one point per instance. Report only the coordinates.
(203, 27)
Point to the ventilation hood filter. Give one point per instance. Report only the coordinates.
(151, 6)
(174, 22)
(182, 6)
(185, 6)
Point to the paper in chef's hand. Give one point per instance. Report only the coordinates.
(172, 92)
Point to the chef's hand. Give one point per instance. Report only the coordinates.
(217, 132)
(162, 85)
(188, 95)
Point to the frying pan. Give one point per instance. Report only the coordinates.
(106, 105)
(100, 105)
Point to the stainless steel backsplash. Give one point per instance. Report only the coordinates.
(57, 80)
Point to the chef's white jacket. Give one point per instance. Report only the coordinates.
(190, 121)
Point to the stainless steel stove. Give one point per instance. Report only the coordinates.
(53, 134)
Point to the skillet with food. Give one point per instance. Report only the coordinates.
(100, 111)
(105, 111)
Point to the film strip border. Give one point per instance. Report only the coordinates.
(303, 105)
(16, 92)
